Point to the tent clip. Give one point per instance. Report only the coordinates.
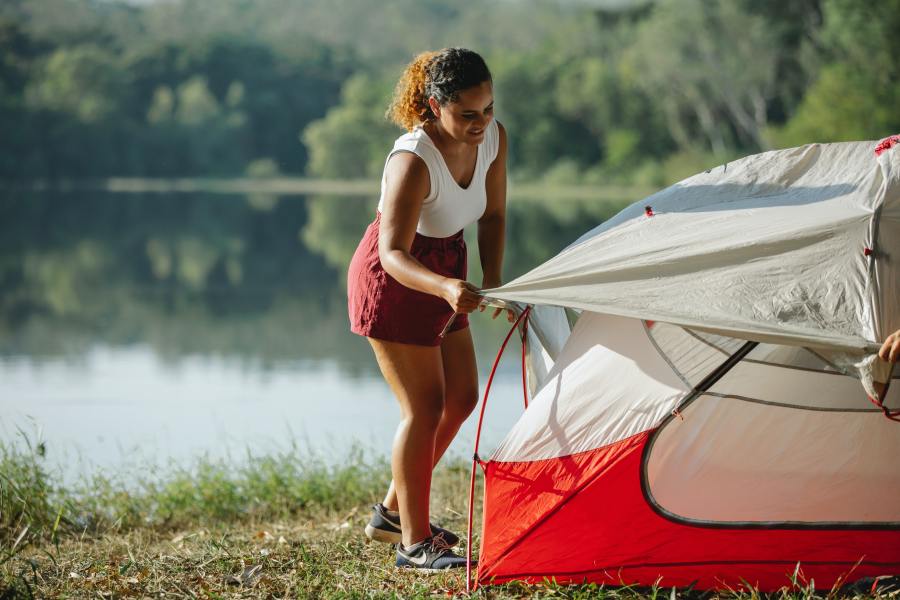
(648, 210)
(893, 415)
(868, 251)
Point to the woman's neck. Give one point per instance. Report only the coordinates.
(445, 142)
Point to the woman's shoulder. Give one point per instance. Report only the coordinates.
(417, 142)
(414, 158)
(407, 167)
(416, 137)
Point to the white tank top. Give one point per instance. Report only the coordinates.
(448, 207)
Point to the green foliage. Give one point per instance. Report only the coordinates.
(864, 35)
(622, 148)
(838, 109)
(601, 92)
(711, 66)
(680, 165)
(14, 60)
(856, 96)
(565, 171)
(79, 74)
(539, 133)
(353, 138)
(81, 81)
(262, 168)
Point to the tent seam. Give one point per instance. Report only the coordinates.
(794, 406)
(573, 455)
(664, 356)
(701, 563)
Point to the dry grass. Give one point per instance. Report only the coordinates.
(314, 558)
(283, 527)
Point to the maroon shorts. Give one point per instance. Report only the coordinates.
(383, 308)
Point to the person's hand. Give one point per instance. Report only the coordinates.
(890, 350)
(462, 296)
(510, 315)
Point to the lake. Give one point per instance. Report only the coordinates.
(142, 330)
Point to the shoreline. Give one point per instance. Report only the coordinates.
(304, 185)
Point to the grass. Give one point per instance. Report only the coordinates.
(282, 526)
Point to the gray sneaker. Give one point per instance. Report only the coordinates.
(384, 527)
(431, 555)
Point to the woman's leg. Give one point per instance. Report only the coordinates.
(460, 395)
(416, 376)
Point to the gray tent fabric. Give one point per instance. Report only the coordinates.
(796, 247)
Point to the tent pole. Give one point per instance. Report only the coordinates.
(524, 353)
(717, 374)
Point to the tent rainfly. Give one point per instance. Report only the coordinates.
(709, 419)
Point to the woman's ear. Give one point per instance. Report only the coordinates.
(435, 107)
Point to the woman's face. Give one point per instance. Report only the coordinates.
(467, 119)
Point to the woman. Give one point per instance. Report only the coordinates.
(407, 291)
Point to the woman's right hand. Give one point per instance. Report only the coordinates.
(462, 296)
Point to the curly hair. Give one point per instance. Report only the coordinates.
(440, 74)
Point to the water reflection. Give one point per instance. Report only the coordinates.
(191, 322)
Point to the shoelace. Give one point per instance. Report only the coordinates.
(438, 543)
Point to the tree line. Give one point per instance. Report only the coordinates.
(640, 92)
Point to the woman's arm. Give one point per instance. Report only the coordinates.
(492, 224)
(407, 184)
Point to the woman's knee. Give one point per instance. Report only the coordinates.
(427, 412)
(461, 402)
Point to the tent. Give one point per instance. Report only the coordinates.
(717, 414)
